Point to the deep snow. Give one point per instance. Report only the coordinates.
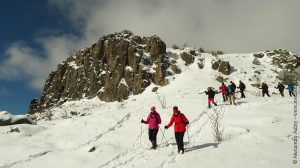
(259, 130)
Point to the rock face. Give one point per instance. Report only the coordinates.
(215, 65)
(284, 59)
(116, 66)
(224, 67)
(189, 58)
(259, 55)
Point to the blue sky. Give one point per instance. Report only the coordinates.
(36, 35)
(19, 22)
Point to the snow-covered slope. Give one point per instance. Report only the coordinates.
(258, 129)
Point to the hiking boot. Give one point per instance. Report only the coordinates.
(154, 145)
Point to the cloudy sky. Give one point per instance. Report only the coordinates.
(37, 35)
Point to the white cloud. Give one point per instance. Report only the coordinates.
(25, 63)
(228, 25)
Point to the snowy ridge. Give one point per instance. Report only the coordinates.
(258, 129)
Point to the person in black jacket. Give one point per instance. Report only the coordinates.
(280, 87)
(211, 96)
(242, 88)
(265, 89)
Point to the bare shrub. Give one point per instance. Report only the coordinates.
(64, 114)
(215, 120)
(162, 101)
(48, 115)
(14, 130)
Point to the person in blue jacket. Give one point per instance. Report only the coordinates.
(291, 89)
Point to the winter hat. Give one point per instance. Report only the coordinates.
(175, 109)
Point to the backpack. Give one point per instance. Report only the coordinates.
(230, 89)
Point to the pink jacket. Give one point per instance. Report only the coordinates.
(153, 120)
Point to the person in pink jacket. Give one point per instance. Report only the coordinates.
(153, 120)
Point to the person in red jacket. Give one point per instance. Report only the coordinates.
(153, 120)
(179, 128)
(223, 90)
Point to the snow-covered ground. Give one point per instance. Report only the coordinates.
(259, 130)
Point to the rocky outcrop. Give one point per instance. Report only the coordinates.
(116, 66)
(258, 55)
(215, 64)
(221, 66)
(224, 67)
(256, 61)
(284, 59)
(188, 58)
(175, 69)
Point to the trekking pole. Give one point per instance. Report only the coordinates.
(164, 136)
(141, 134)
(187, 132)
(203, 100)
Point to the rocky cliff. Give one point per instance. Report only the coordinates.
(116, 66)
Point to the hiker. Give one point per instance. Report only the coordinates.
(242, 88)
(223, 90)
(233, 87)
(211, 96)
(179, 128)
(230, 94)
(265, 89)
(291, 89)
(153, 120)
(281, 88)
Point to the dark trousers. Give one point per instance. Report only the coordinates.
(291, 93)
(265, 92)
(179, 140)
(243, 94)
(152, 134)
(224, 97)
(152, 137)
(281, 92)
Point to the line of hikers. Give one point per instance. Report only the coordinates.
(228, 92)
(290, 88)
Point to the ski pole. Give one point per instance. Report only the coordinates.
(187, 132)
(141, 134)
(164, 136)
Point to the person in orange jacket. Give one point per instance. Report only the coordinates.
(179, 128)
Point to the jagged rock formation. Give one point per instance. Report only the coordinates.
(116, 66)
(284, 59)
(189, 58)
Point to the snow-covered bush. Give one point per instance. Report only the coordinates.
(215, 120)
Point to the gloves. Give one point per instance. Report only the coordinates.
(186, 123)
(142, 121)
(166, 127)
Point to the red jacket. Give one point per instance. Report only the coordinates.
(223, 89)
(180, 121)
